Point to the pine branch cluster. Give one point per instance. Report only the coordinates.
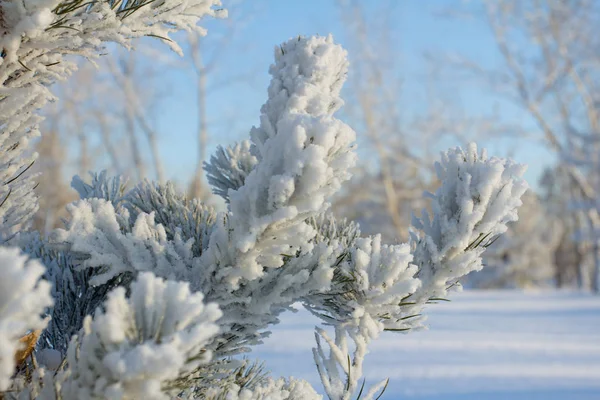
(145, 293)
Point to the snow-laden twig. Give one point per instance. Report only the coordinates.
(23, 300)
(135, 347)
(478, 197)
(102, 238)
(228, 168)
(101, 187)
(37, 39)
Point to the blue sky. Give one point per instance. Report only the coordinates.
(417, 29)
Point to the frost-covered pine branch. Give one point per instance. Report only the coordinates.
(136, 347)
(101, 187)
(478, 197)
(302, 162)
(140, 263)
(37, 39)
(385, 287)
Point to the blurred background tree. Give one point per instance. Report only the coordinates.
(548, 66)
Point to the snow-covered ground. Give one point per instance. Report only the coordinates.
(482, 345)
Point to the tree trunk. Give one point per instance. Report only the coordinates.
(135, 149)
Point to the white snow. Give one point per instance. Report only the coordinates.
(483, 345)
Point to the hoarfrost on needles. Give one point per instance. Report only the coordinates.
(24, 298)
(176, 288)
(136, 345)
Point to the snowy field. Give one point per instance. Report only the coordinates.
(482, 345)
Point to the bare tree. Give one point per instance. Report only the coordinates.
(96, 111)
(550, 68)
(204, 61)
(53, 192)
(375, 87)
(198, 188)
(136, 88)
(559, 191)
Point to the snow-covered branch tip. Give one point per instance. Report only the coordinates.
(304, 154)
(389, 284)
(478, 197)
(101, 187)
(100, 236)
(138, 347)
(379, 287)
(229, 167)
(24, 298)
